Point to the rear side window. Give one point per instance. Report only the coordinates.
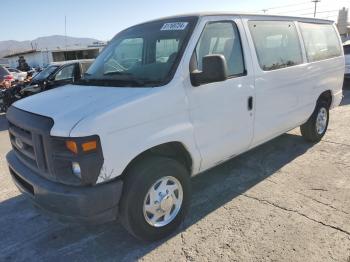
(276, 43)
(221, 38)
(321, 41)
(347, 49)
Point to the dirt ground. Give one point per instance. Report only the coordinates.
(286, 200)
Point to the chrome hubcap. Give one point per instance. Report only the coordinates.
(163, 201)
(321, 120)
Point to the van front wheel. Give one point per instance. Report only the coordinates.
(316, 126)
(155, 197)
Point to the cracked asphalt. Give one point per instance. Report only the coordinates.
(286, 200)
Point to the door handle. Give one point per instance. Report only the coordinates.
(250, 103)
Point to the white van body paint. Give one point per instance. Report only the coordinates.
(211, 121)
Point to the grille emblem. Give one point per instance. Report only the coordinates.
(19, 143)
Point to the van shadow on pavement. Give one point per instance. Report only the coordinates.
(28, 235)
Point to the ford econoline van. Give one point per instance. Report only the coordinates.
(167, 100)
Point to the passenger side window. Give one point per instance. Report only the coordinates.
(321, 41)
(66, 72)
(276, 43)
(221, 38)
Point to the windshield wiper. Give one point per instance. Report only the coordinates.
(127, 82)
(117, 73)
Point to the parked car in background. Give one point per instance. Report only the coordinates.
(9, 95)
(5, 77)
(167, 100)
(18, 75)
(57, 74)
(346, 47)
(6, 80)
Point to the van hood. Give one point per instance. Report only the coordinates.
(70, 104)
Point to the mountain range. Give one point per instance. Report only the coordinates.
(49, 42)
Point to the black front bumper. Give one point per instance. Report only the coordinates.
(89, 204)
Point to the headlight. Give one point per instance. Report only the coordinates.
(81, 157)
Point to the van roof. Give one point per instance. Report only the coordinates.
(250, 16)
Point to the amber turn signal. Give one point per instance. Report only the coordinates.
(89, 146)
(72, 146)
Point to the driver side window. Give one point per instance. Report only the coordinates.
(221, 38)
(66, 72)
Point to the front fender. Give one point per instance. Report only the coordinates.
(121, 147)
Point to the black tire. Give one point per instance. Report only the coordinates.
(139, 179)
(309, 129)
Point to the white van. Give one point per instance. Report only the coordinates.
(164, 101)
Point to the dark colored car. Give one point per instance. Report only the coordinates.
(57, 74)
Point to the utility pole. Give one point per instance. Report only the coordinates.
(65, 36)
(315, 1)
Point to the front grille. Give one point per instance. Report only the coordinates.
(22, 143)
(29, 136)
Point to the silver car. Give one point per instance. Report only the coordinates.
(17, 74)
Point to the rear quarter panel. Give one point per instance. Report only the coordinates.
(322, 76)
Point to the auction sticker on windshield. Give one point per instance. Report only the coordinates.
(174, 26)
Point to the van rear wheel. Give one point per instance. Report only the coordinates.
(316, 126)
(155, 197)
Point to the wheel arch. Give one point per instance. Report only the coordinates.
(174, 149)
(327, 97)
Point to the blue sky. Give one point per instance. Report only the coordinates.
(102, 19)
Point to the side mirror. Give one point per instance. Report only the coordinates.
(214, 70)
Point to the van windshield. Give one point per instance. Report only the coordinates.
(143, 55)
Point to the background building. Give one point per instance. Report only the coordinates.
(42, 58)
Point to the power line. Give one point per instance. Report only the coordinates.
(329, 11)
(286, 12)
(282, 6)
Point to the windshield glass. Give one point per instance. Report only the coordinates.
(45, 73)
(143, 55)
